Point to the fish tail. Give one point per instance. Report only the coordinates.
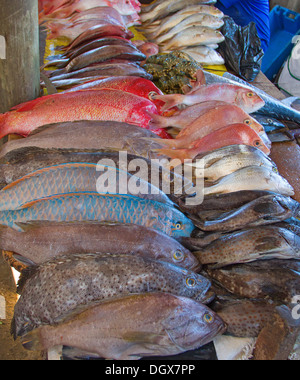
(170, 100)
(55, 30)
(32, 341)
(157, 121)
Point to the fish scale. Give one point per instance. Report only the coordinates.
(94, 207)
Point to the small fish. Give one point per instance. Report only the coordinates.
(87, 206)
(62, 284)
(209, 121)
(238, 157)
(236, 134)
(156, 325)
(249, 101)
(193, 36)
(102, 104)
(41, 242)
(277, 280)
(205, 55)
(250, 245)
(252, 178)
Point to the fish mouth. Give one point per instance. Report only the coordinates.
(206, 298)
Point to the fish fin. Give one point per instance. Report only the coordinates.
(26, 275)
(163, 142)
(157, 121)
(180, 154)
(51, 89)
(72, 353)
(289, 101)
(170, 100)
(200, 77)
(3, 128)
(186, 89)
(23, 260)
(142, 337)
(32, 341)
(29, 106)
(285, 313)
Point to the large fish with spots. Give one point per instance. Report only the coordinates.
(103, 208)
(61, 285)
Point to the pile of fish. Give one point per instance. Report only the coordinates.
(108, 228)
(192, 29)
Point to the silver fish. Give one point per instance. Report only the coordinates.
(205, 55)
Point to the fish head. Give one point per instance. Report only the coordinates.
(184, 258)
(182, 226)
(125, 7)
(259, 143)
(248, 100)
(192, 325)
(254, 125)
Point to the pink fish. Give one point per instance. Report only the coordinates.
(102, 104)
(237, 134)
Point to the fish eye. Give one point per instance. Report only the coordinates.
(152, 94)
(178, 226)
(191, 282)
(247, 121)
(208, 318)
(178, 256)
(270, 121)
(250, 94)
(257, 143)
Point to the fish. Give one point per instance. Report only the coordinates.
(252, 178)
(269, 124)
(233, 94)
(205, 55)
(236, 134)
(67, 282)
(41, 242)
(88, 206)
(208, 121)
(235, 157)
(193, 36)
(19, 162)
(273, 107)
(277, 280)
(244, 318)
(103, 54)
(262, 211)
(163, 9)
(88, 135)
(102, 70)
(156, 324)
(76, 177)
(249, 245)
(105, 104)
(196, 19)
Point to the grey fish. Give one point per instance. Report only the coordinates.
(270, 124)
(154, 324)
(41, 242)
(250, 245)
(277, 280)
(58, 286)
(273, 107)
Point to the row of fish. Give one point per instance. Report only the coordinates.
(192, 29)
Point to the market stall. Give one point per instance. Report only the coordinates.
(151, 206)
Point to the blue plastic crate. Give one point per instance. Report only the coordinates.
(285, 24)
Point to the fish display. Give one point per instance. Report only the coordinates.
(251, 245)
(277, 280)
(85, 278)
(88, 206)
(41, 242)
(102, 104)
(156, 324)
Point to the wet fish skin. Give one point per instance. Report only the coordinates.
(250, 245)
(257, 178)
(277, 280)
(41, 242)
(205, 55)
(268, 123)
(86, 278)
(156, 324)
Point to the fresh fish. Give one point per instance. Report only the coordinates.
(244, 318)
(239, 96)
(103, 104)
(107, 13)
(103, 70)
(103, 54)
(236, 134)
(268, 123)
(25, 160)
(208, 121)
(262, 211)
(250, 245)
(193, 36)
(87, 206)
(90, 135)
(196, 19)
(156, 324)
(252, 178)
(62, 284)
(273, 107)
(76, 177)
(41, 242)
(277, 280)
(205, 55)
(235, 157)
(163, 9)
